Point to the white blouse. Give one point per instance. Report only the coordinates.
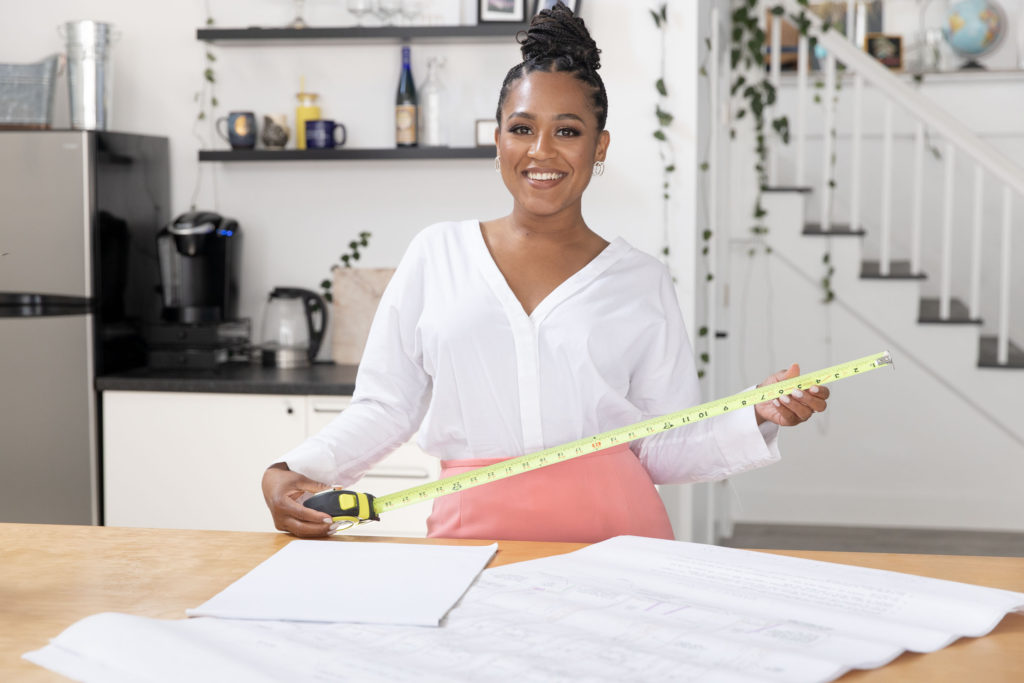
(452, 348)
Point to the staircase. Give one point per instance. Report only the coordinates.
(939, 442)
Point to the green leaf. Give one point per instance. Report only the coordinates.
(707, 43)
(345, 258)
(660, 86)
(705, 357)
(710, 277)
(703, 72)
(656, 17)
(700, 374)
(704, 166)
(353, 244)
(664, 251)
(826, 257)
(208, 75)
(670, 168)
(703, 331)
(778, 11)
(704, 251)
(664, 117)
(202, 115)
(209, 21)
(210, 57)
(660, 135)
(326, 284)
(328, 297)
(214, 101)
(707, 235)
(664, 11)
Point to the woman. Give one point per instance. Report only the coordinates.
(520, 333)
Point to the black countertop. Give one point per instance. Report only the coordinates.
(325, 379)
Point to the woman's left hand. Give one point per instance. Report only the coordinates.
(794, 408)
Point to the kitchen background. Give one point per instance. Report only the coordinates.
(297, 217)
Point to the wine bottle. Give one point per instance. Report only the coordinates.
(405, 105)
(432, 119)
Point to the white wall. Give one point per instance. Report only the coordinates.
(297, 217)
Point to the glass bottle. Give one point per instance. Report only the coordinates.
(308, 110)
(405, 106)
(432, 115)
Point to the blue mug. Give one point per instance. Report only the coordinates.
(241, 129)
(322, 134)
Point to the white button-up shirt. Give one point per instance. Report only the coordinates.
(452, 348)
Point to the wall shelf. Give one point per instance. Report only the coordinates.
(283, 36)
(487, 152)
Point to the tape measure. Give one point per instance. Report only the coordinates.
(353, 507)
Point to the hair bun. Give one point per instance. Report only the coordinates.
(557, 33)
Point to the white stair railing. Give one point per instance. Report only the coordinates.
(959, 141)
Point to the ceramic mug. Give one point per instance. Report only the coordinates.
(322, 134)
(241, 129)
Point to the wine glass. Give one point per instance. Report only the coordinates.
(410, 10)
(388, 9)
(360, 8)
(298, 21)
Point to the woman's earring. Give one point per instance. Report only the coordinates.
(598, 168)
(497, 164)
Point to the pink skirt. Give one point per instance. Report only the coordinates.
(587, 499)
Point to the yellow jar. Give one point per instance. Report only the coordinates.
(308, 110)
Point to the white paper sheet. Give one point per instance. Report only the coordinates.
(625, 609)
(368, 583)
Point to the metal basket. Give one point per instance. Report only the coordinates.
(26, 93)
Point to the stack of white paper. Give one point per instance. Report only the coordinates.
(625, 609)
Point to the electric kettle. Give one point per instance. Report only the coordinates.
(294, 321)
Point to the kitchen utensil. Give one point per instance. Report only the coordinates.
(294, 321)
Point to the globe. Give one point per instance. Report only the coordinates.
(974, 28)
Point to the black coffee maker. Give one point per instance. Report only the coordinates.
(197, 254)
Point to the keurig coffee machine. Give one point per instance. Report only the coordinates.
(197, 255)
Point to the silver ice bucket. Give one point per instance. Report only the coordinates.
(90, 77)
(26, 93)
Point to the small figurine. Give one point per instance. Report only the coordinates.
(275, 131)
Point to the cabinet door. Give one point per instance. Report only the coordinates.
(194, 460)
(408, 466)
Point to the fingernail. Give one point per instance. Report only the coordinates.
(814, 390)
(785, 399)
(798, 394)
(326, 520)
(776, 402)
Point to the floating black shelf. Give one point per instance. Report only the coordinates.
(487, 152)
(488, 32)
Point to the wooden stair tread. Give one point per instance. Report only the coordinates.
(835, 230)
(898, 270)
(958, 313)
(987, 354)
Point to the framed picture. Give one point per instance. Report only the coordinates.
(574, 5)
(485, 132)
(886, 48)
(512, 11)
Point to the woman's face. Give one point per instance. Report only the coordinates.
(548, 142)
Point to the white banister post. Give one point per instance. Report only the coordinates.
(916, 198)
(974, 308)
(827, 143)
(718, 119)
(858, 95)
(945, 270)
(801, 107)
(776, 81)
(1003, 340)
(886, 198)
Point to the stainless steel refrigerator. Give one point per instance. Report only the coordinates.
(79, 213)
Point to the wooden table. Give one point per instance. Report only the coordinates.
(52, 576)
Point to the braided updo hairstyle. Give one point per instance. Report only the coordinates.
(557, 40)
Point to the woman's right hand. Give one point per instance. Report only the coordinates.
(283, 489)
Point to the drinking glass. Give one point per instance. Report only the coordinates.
(388, 9)
(360, 8)
(410, 10)
(298, 21)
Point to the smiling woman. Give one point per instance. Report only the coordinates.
(527, 331)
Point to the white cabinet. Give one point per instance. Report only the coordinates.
(195, 460)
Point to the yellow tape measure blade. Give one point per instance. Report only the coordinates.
(551, 456)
